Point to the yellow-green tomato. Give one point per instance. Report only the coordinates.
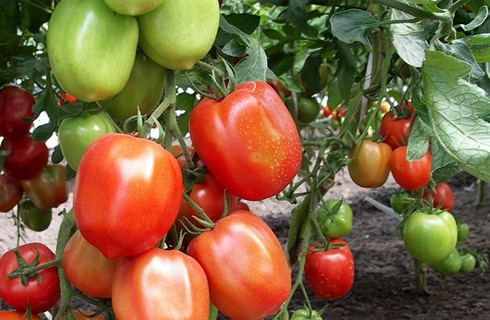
(179, 33)
(75, 134)
(132, 7)
(143, 90)
(335, 218)
(468, 263)
(91, 48)
(451, 265)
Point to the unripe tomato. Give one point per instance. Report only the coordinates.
(468, 263)
(48, 189)
(308, 109)
(369, 164)
(34, 218)
(335, 218)
(133, 7)
(451, 265)
(463, 231)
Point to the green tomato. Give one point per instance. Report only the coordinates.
(308, 109)
(91, 49)
(143, 90)
(430, 238)
(34, 218)
(75, 134)
(450, 265)
(335, 218)
(305, 314)
(401, 202)
(133, 7)
(177, 33)
(468, 263)
(463, 231)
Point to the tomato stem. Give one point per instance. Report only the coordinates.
(208, 222)
(421, 277)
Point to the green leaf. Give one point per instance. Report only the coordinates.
(456, 108)
(185, 102)
(408, 39)
(443, 165)
(296, 13)
(418, 140)
(479, 45)
(463, 52)
(346, 71)
(353, 25)
(479, 19)
(246, 22)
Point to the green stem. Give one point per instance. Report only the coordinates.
(415, 11)
(198, 209)
(421, 277)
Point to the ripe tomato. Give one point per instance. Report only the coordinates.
(338, 113)
(41, 294)
(326, 111)
(82, 263)
(132, 8)
(430, 238)
(26, 159)
(308, 109)
(16, 113)
(280, 88)
(126, 183)
(410, 175)
(242, 206)
(48, 189)
(369, 164)
(75, 134)
(66, 97)
(143, 90)
(248, 140)
(247, 270)
(441, 197)
(330, 273)
(177, 34)
(160, 284)
(176, 150)
(450, 265)
(34, 218)
(84, 315)
(335, 218)
(91, 49)
(17, 315)
(10, 192)
(394, 130)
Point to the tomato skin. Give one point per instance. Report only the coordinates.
(48, 189)
(463, 231)
(442, 197)
(132, 8)
(177, 34)
(143, 90)
(85, 315)
(121, 177)
(266, 153)
(468, 263)
(91, 49)
(430, 238)
(369, 164)
(242, 206)
(160, 284)
(410, 175)
(10, 192)
(451, 265)
(330, 273)
(16, 113)
(395, 130)
(26, 159)
(308, 109)
(82, 263)
(75, 134)
(34, 218)
(17, 315)
(41, 295)
(335, 218)
(247, 270)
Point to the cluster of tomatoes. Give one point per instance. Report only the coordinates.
(27, 179)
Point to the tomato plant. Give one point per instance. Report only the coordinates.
(410, 175)
(40, 291)
(330, 272)
(33, 217)
(335, 218)
(119, 178)
(10, 192)
(162, 284)
(16, 113)
(27, 157)
(441, 197)
(267, 152)
(369, 163)
(428, 237)
(247, 270)
(82, 263)
(48, 189)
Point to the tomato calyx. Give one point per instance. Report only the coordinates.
(26, 270)
(325, 245)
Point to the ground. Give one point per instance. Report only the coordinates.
(384, 273)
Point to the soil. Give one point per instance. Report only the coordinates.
(384, 272)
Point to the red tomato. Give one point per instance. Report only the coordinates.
(394, 130)
(41, 294)
(16, 113)
(242, 206)
(326, 111)
(442, 196)
(10, 192)
(330, 273)
(66, 97)
(26, 159)
(17, 315)
(410, 175)
(369, 164)
(280, 88)
(82, 263)
(47, 189)
(338, 113)
(247, 270)
(126, 195)
(248, 140)
(160, 284)
(85, 315)
(177, 152)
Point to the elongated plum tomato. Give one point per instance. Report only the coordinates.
(160, 284)
(91, 48)
(177, 33)
(247, 270)
(127, 194)
(248, 140)
(369, 164)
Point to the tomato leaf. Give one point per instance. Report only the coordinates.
(418, 140)
(443, 165)
(408, 39)
(479, 19)
(463, 52)
(456, 108)
(353, 25)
